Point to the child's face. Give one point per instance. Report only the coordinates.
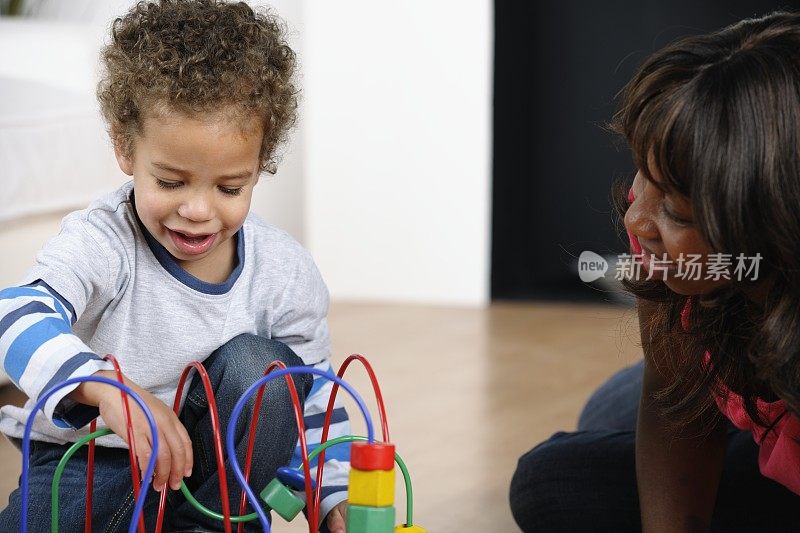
(663, 224)
(193, 182)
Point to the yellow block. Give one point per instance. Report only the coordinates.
(372, 489)
(402, 528)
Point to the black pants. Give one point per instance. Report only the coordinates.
(585, 481)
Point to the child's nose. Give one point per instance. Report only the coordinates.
(197, 208)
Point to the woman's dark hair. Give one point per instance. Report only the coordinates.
(717, 118)
(195, 57)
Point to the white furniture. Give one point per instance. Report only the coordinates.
(54, 153)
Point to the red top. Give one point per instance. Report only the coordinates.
(779, 452)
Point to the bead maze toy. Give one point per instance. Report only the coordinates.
(372, 474)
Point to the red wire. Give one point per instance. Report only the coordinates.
(212, 408)
(298, 416)
(251, 442)
(329, 414)
(131, 443)
(90, 481)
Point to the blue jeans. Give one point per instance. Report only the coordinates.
(585, 481)
(232, 369)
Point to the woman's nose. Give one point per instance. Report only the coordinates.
(639, 220)
(196, 207)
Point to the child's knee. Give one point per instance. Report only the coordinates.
(252, 354)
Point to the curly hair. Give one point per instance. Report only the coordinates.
(198, 56)
(717, 117)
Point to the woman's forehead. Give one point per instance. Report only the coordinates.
(661, 172)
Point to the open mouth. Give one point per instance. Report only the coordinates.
(663, 263)
(192, 244)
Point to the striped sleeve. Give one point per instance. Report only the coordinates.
(337, 458)
(39, 350)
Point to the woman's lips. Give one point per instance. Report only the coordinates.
(649, 257)
(192, 244)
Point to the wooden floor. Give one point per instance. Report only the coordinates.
(467, 392)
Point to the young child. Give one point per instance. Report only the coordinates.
(704, 434)
(169, 269)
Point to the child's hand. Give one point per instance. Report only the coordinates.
(174, 461)
(337, 518)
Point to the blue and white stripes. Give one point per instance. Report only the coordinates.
(37, 345)
(337, 458)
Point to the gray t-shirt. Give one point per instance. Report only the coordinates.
(132, 300)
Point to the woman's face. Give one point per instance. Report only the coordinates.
(663, 224)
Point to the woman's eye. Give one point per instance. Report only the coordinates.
(677, 219)
(168, 184)
(231, 191)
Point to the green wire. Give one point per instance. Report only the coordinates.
(100, 433)
(199, 506)
(60, 470)
(311, 456)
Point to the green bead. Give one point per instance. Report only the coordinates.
(282, 500)
(362, 519)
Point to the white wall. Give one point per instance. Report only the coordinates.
(397, 166)
(279, 198)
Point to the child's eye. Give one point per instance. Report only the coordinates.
(168, 184)
(231, 191)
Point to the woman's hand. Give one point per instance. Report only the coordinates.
(337, 518)
(174, 461)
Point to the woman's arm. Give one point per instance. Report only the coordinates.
(677, 471)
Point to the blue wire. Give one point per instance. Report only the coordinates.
(151, 464)
(237, 411)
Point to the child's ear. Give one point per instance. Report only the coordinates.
(124, 161)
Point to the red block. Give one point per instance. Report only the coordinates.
(375, 456)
